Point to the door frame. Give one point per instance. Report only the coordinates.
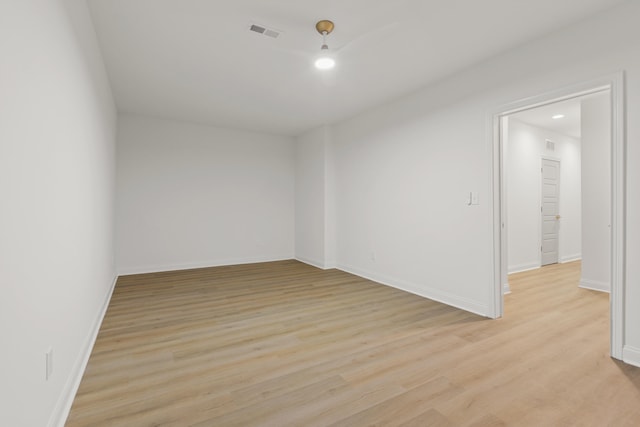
(615, 84)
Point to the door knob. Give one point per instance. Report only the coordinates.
(557, 216)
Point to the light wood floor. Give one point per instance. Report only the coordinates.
(285, 344)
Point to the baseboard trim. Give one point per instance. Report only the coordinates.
(631, 355)
(312, 262)
(205, 264)
(425, 292)
(506, 288)
(570, 258)
(63, 405)
(328, 265)
(594, 285)
(523, 267)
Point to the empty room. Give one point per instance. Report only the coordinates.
(296, 213)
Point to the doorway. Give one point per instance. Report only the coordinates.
(613, 84)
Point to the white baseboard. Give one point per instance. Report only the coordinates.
(570, 258)
(533, 265)
(204, 264)
(63, 405)
(423, 291)
(523, 267)
(506, 288)
(631, 355)
(313, 262)
(328, 265)
(594, 285)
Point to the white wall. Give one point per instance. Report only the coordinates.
(403, 170)
(310, 197)
(403, 175)
(526, 147)
(192, 196)
(330, 208)
(315, 200)
(57, 168)
(596, 192)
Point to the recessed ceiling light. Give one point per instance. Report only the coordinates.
(557, 116)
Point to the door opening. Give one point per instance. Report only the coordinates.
(613, 85)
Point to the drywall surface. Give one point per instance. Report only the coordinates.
(596, 192)
(403, 218)
(57, 179)
(404, 170)
(315, 199)
(194, 196)
(526, 148)
(310, 197)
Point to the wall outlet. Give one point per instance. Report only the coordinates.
(48, 359)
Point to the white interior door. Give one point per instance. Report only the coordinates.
(550, 211)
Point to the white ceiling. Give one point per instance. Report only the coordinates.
(570, 124)
(195, 60)
(542, 117)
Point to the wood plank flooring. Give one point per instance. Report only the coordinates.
(286, 344)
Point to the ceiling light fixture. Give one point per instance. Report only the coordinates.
(324, 61)
(558, 116)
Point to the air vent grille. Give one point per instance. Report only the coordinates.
(265, 31)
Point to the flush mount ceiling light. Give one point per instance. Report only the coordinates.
(558, 116)
(324, 61)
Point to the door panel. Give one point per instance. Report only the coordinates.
(549, 211)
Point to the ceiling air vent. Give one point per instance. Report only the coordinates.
(261, 29)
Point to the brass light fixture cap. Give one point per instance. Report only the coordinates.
(324, 27)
